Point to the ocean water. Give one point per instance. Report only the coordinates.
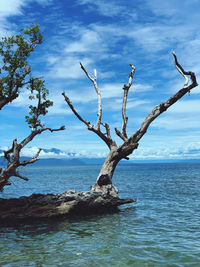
(161, 229)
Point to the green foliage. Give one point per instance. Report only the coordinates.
(39, 93)
(14, 68)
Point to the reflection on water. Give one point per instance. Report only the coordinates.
(161, 229)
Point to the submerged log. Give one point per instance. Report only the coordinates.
(40, 206)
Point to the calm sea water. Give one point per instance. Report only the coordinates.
(161, 229)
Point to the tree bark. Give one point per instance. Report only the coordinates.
(108, 168)
(69, 203)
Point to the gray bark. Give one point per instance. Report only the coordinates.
(69, 203)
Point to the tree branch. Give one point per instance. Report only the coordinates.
(159, 109)
(94, 81)
(34, 159)
(181, 70)
(126, 89)
(120, 135)
(107, 139)
(14, 163)
(75, 112)
(107, 129)
(36, 132)
(17, 174)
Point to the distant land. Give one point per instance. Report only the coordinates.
(72, 160)
(96, 161)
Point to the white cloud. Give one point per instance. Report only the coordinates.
(115, 89)
(155, 38)
(10, 7)
(173, 122)
(105, 8)
(175, 10)
(189, 151)
(186, 106)
(66, 67)
(108, 91)
(88, 41)
(116, 104)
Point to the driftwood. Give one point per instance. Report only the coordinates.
(42, 206)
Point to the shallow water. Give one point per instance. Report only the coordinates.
(161, 229)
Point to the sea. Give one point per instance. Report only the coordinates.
(161, 229)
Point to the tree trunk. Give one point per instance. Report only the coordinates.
(108, 167)
(69, 203)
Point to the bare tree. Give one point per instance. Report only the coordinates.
(12, 155)
(131, 143)
(103, 196)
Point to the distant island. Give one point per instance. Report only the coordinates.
(97, 161)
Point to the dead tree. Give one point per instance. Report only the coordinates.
(103, 196)
(131, 143)
(12, 155)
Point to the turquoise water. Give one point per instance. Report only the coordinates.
(161, 229)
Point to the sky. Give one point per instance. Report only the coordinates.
(108, 36)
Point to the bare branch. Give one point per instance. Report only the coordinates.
(52, 130)
(87, 74)
(17, 174)
(75, 112)
(159, 109)
(181, 70)
(94, 81)
(34, 159)
(36, 132)
(14, 162)
(121, 135)
(126, 89)
(107, 129)
(107, 139)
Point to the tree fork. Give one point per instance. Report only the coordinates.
(130, 143)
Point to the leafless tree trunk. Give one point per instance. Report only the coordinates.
(131, 143)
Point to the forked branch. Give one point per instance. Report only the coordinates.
(131, 143)
(159, 109)
(126, 87)
(105, 137)
(12, 156)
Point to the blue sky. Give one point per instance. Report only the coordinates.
(108, 36)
